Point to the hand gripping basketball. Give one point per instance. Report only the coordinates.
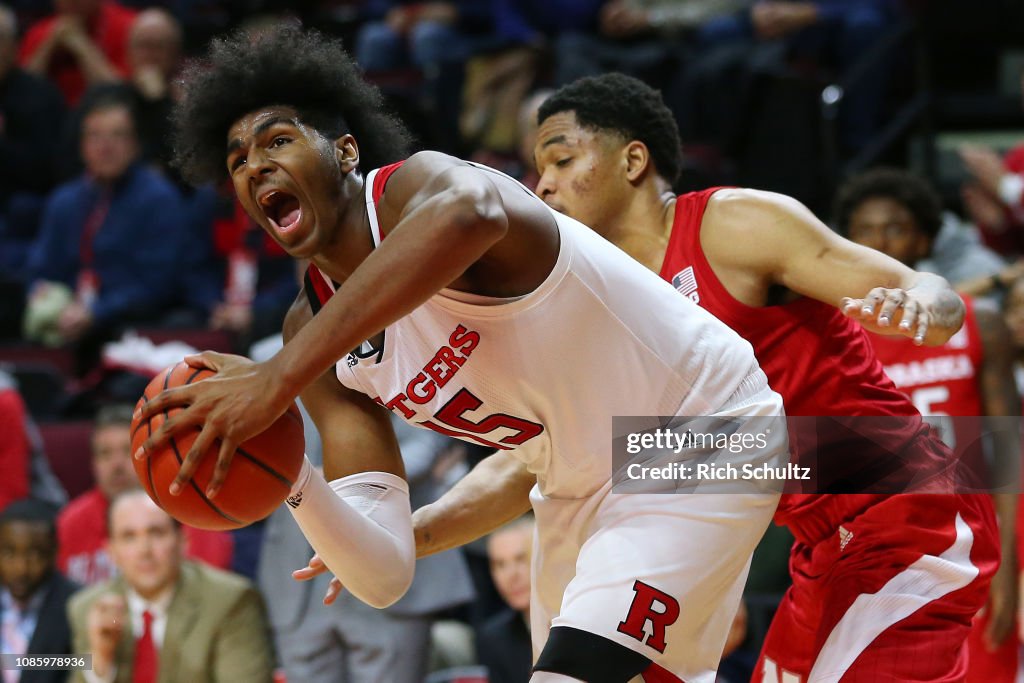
(241, 401)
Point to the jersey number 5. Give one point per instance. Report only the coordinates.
(455, 423)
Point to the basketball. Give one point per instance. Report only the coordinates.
(258, 480)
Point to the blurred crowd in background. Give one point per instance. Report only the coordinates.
(111, 267)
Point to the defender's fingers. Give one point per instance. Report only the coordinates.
(922, 330)
(333, 591)
(874, 298)
(851, 307)
(315, 567)
(911, 311)
(890, 306)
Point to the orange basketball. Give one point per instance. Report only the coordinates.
(259, 478)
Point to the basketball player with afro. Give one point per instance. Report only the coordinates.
(449, 294)
(884, 587)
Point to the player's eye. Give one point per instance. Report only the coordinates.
(279, 141)
(562, 163)
(237, 162)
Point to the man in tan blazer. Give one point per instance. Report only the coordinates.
(164, 619)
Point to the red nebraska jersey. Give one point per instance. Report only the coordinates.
(940, 380)
(821, 362)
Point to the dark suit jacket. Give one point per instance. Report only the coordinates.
(503, 646)
(53, 632)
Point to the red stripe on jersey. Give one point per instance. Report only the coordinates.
(656, 674)
(320, 286)
(380, 180)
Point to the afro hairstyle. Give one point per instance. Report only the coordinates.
(624, 105)
(903, 187)
(283, 66)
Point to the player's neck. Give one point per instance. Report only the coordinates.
(351, 240)
(643, 228)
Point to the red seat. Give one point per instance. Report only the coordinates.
(25, 354)
(68, 449)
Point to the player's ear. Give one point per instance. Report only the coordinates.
(638, 160)
(346, 150)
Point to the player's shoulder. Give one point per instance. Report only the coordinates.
(745, 202)
(735, 212)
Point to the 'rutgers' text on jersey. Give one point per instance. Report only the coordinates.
(543, 374)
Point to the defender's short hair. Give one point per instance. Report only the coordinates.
(624, 105)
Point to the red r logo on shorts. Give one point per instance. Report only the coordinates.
(642, 610)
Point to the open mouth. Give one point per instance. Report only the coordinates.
(282, 209)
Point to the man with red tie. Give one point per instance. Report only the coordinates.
(164, 618)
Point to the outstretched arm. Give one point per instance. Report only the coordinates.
(451, 219)
(779, 240)
(494, 492)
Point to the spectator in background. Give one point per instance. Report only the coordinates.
(15, 450)
(33, 594)
(434, 38)
(237, 279)
(402, 33)
(84, 43)
(641, 38)
(154, 58)
(503, 641)
(165, 618)
(772, 33)
(994, 196)
(31, 110)
(27, 472)
(82, 527)
(1013, 315)
(113, 237)
(896, 213)
(900, 208)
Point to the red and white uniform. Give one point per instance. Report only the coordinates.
(946, 381)
(541, 376)
(884, 587)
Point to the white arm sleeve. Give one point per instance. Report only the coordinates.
(361, 527)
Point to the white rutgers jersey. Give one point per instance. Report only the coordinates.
(542, 375)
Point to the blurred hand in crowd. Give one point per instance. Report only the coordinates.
(104, 624)
(777, 19)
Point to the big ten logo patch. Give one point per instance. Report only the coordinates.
(686, 283)
(653, 606)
